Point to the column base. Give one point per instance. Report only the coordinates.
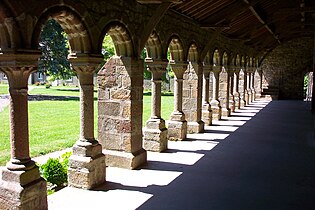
(23, 190)
(87, 167)
(253, 95)
(257, 96)
(216, 112)
(155, 135)
(247, 99)
(226, 112)
(195, 127)
(126, 160)
(206, 114)
(177, 130)
(232, 103)
(237, 99)
(243, 103)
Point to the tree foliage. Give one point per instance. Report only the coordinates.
(54, 45)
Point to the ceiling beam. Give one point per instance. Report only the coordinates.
(252, 9)
(159, 1)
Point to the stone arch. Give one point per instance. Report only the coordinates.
(121, 38)
(72, 24)
(154, 47)
(176, 48)
(9, 34)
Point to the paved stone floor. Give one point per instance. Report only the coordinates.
(263, 157)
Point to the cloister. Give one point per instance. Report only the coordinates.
(219, 55)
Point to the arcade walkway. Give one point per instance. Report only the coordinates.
(263, 157)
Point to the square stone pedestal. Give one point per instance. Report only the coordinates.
(207, 114)
(226, 112)
(126, 160)
(87, 167)
(216, 112)
(195, 127)
(22, 190)
(155, 135)
(177, 130)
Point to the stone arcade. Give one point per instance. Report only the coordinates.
(222, 54)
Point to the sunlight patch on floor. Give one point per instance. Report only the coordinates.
(89, 199)
(140, 178)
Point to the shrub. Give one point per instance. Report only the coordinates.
(53, 171)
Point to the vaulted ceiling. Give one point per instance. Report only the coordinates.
(261, 24)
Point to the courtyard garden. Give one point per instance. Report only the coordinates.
(54, 122)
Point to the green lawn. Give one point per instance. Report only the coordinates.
(54, 125)
(57, 91)
(4, 89)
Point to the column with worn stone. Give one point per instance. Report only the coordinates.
(253, 85)
(231, 89)
(192, 97)
(87, 163)
(206, 107)
(257, 84)
(236, 92)
(215, 103)
(224, 95)
(177, 126)
(120, 107)
(155, 132)
(21, 186)
(244, 93)
(248, 86)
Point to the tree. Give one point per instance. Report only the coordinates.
(54, 45)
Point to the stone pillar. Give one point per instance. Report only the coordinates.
(120, 102)
(244, 92)
(21, 186)
(231, 89)
(155, 132)
(224, 93)
(236, 93)
(215, 103)
(257, 84)
(192, 97)
(87, 163)
(248, 87)
(206, 107)
(253, 86)
(177, 126)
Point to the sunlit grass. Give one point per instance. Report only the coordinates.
(4, 89)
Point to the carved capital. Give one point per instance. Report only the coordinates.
(83, 63)
(216, 69)
(207, 69)
(156, 67)
(179, 68)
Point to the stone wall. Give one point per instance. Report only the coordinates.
(286, 65)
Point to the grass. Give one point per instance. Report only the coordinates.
(55, 125)
(57, 91)
(4, 89)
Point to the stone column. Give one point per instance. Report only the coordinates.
(236, 93)
(87, 163)
(120, 103)
(244, 98)
(248, 87)
(215, 103)
(231, 89)
(177, 126)
(206, 107)
(224, 93)
(155, 132)
(257, 84)
(21, 186)
(253, 86)
(192, 97)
